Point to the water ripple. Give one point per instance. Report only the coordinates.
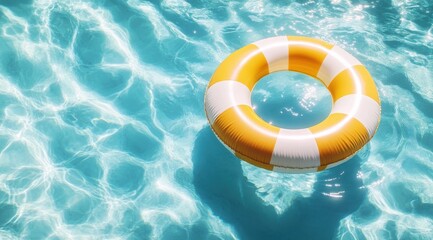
(103, 132)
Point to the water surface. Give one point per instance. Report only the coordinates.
(103, 133)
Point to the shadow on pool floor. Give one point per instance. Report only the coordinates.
(220, 183)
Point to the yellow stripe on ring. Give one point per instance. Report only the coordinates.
(246, 133)
(340, 144)
(246, 65)
(254, 162)
(344, 84)
(307, 54)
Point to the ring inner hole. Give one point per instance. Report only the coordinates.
(291, 100)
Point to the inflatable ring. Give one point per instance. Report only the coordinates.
(351, 124)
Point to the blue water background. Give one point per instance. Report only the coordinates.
(103, 133)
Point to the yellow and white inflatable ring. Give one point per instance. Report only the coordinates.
(351, 124)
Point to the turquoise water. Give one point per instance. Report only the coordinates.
(103, 133)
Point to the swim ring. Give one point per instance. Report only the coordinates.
(351, 124)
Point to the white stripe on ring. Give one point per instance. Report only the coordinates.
(295, 153)
(293, 170)
(335, 62)
(224, 95)
(368, 112)
(331, 165)
(276, 51)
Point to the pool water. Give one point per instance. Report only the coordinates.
(291, 100)
(103, 133)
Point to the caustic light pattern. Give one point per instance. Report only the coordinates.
(103, 133)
